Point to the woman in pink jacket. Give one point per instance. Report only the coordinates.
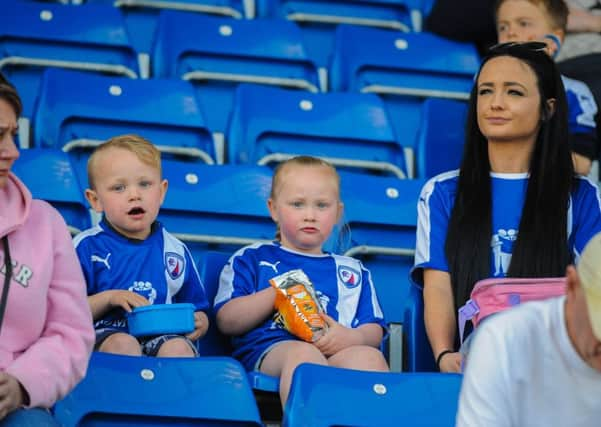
(46, 333)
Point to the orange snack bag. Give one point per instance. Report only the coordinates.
(298, 309)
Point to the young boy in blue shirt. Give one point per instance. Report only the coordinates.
(129, 260)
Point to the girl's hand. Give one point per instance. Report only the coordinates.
(337, 337)
(12, 395)
(201, 324)
(451, 362)
(127, 300)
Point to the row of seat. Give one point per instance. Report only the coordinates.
(75, 111)
(216, 209)
(214, 391)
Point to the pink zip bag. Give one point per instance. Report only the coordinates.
(490, 296)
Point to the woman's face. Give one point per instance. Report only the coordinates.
(8, 149)
(508, 101)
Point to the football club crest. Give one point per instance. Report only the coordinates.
(349, 276)
(175, 264)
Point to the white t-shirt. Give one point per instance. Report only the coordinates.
(523, 370)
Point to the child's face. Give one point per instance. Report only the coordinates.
(508, 101)
(306, 206)
(522, 21)
(128, 191)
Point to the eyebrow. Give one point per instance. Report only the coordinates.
(505, 84)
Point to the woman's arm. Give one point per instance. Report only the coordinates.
(241, 314)
(439, 317)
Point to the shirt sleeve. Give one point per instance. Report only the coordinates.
(484, 398)
(238, 278)
(586, 215)
(433, 214)
(368, 307)
(192, 291)
(581, 118)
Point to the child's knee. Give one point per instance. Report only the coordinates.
(121, 343)
(361, 357)
(176, 347)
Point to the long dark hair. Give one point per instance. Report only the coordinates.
(541, 248)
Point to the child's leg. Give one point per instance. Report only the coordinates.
(170, 345)
(120, 343)
(360, 357)
(282, 360)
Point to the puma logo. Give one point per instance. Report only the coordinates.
(268, 264)
(105, 261)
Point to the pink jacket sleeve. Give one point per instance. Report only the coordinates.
(58, 360)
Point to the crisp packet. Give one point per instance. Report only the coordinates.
(298, 309)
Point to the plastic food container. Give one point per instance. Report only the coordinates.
(161, 319)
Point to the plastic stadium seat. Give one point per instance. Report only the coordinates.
(441, 136)
(403, 69)
(418, 352)
(214, 343)
(322, 396)
(319, 18)
(216, 207)
(49, 176)
(351, 130)
(34, 36)
(216, 54)
(141, 16)
(76, 111)
(382, 216)
(121, 391)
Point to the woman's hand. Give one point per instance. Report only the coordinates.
(12, 394)
(450, 362)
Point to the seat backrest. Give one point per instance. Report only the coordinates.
(318, 18)
(141, 16)
(37, 35)
(76, 111)
(216, 54)
(49, 175)
(218, 207)
(441, 136)
(350, 130)
(143, 391)
(403, 64)
(320, 397)
(418, 356)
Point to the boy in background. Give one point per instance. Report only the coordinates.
(129, 260)
(546, 20)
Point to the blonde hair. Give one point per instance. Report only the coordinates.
(307, 161)
(143, 149)
(556, 10)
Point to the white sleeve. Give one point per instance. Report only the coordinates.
(485, 398)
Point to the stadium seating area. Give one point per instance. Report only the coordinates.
(227, 89)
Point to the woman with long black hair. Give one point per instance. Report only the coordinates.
(515, 207)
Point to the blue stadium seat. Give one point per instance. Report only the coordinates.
(322, 396)
(76, 111)
(216, 54)
(382, 215)
(403, 69)
(418, 355)
(318, 18)
(141, 16)
(49, 176)
(121, 391)
(441, 136)
(214, 343)
(34, 36)
(216, 207)
(351, 130)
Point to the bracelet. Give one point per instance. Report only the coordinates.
(439, 358)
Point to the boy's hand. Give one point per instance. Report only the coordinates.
(12, 395)
(337, 337)
(201, 324)
(127, 300)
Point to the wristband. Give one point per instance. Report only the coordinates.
(439, 358)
